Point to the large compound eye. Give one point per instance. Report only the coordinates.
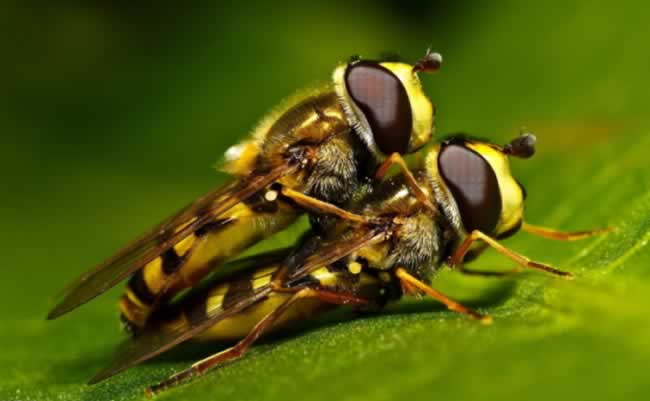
(473, 185)
(381, 97)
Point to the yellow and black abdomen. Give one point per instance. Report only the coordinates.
(328, 171)
(222, 296)
(186, 263)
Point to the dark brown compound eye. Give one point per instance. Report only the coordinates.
(381, 97)
(474, 186)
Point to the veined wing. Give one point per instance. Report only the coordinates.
(164, 236)
(333, 251)
(156, 339)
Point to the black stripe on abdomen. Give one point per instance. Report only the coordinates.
(212, 226)
(170, 261)
(140, 289)
(237, 290)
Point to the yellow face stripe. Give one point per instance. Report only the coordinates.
(421, 107)
(512, 199)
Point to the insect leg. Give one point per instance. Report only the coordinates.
(551, 233)
(262, 326)
(412, 183)
(410, 282)
(475, 253)
(457, 257)
(319, 206)
(486, 273)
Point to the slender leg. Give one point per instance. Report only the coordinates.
(486, 273)
(563, 236)
(319, 206)
(412, 183)
(475, 253)
(262, 326)
(410, 282)
(457, 258)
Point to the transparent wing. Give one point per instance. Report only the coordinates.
(332, 251)
(164, 236)
(154, 340)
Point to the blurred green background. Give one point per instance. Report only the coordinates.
(113, 113)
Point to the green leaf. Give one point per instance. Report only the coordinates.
(134, 127)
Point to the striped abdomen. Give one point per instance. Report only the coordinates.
(222, 296)
(192, 258)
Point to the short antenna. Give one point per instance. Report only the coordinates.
(431, 62)
(522, 147)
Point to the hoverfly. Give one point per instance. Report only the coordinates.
(393, 246)
(311, 153)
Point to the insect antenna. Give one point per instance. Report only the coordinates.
(430, 62)
(522, 147)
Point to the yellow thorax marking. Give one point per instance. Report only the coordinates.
(354, 267)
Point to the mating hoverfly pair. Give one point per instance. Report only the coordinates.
(327, 153)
